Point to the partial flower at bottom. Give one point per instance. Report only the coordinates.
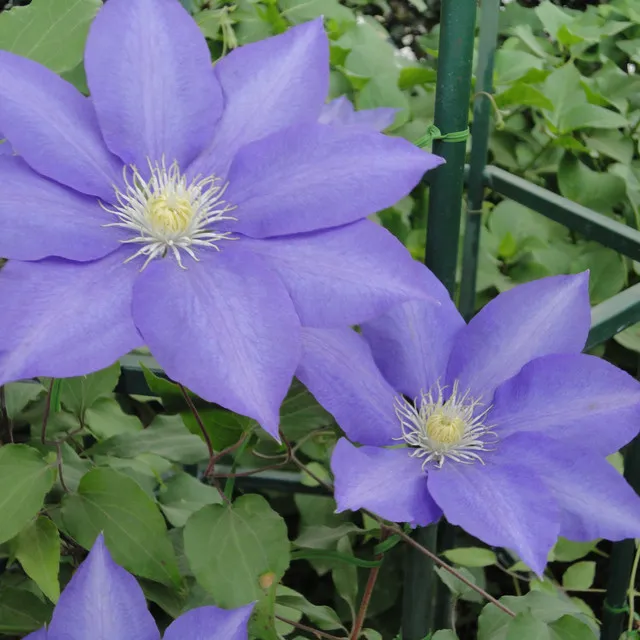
(502, 425)
(104, 602)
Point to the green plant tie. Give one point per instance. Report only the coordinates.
(433, 133)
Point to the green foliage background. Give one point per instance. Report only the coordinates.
(567, 117)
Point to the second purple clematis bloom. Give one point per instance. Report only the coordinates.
(204, 213)
(104, 602)
(503, 424)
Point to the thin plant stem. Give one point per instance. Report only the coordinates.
(206, 436)
(434, 558)
(230, 483)
(303, 627)
(632, 589)
(366, 596)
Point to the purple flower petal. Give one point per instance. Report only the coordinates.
(337, 367)
(41, 218)
(211, 623)
(41, 634)
(268, 85)
(5, 148)
(575, 399)
(552, 315)
(54, 128)
(595, 500)
(341, 112)
(225, 327)
(345, 275)
(149, 71)
(411, 343)
(388, 482)
(314, 176)
(102, 602)
(64, 319)
(501, 503)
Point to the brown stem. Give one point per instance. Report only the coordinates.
(252, 472)
(303, 627)
(366, 596)
(225, 452)
(207, 439)
(60, 465)
(434, 558)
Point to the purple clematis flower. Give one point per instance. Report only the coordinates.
(104, 602)
(341, 111)
(203, 214)
(501, 424)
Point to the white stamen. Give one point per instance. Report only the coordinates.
(168, 213)
(439, 429)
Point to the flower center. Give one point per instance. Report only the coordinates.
(438, 427)
(166, 213)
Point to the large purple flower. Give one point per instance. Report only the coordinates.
(203, 214)
(501, 424)
(104, 602)
(341, 111)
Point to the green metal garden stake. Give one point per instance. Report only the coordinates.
(453, 92)
(489, 18)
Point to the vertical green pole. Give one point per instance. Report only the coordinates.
(489, 17)
(453, 92)
(621, 560)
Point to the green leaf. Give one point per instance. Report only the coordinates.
(298, 11)
(564, 90)
(598, 191)
(522, 94)
(345, 575)
(322, 617)
(513, 65)
(52, 32)
(412, 76)
(579, 576)
(17, 395)
(21, 611)
(78, 394)
(584, 116)
(570, 551)
(383, 91)
(458, 588)
(167, 437)
(237, 551)
(552, 17)
(570, 628)
(26, 479)
(134, 529)
(38, 551)
(630, 338)
(105, 419)
(493, 623)
(526, 627)
(444, 634)
(612, 144)
(321, 537)
(471, 556)
(608, 272)
(183, 495)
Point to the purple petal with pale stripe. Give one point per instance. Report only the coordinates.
(62, 319)
(595, 500)
(149, 71)
(341, 112)
(388, 482)
(337, 367)
(268, 86)
(501, 503)
(102, 602)
(314, 176)
(345, 275)
(572, 398)
(211, 623)
(411, 343)
(546, 316)
(53, 127)
(225, 327)
(41, 218)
